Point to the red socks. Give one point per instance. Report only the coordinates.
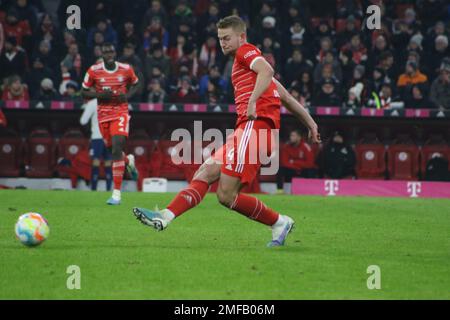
(118, 168)
(189, 197)
(254, 209)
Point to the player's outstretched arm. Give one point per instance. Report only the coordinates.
(298, 111)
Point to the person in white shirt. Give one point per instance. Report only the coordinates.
(98, 150)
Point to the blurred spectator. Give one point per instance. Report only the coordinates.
(72, 92)
(45, 54)
(350, 29)
(327, 95)
(418, 98)
(15, 90)
(176, 52)
(155, 32)
(439, 51)
(206, 23)
(156, 94)
(437, 30)
(385, 98)
(104, 27)
(184, 92)
(430, 11)
(155, 10)
(18, 29)
(326, 45)
(215, 77)
(440, 88)
(161, 77)
(270, 51)
(296, 160)
(27, 12)
(38, 72)
(375, 82)
(128, 34)
(386, 63)
(411, 76)
(73, 62)
(208, 53)
(213, 94)
(129, 56)
(48, 32)
(159, 59)
(295, 66)
(2, 37)
(328, 60)
(182, 18)
(380, 45)
(46, 91)
(347, 66)
(359, 51)
(354, 96)
(13, 59)
(339, 158)
(188, 59)
(359, 77)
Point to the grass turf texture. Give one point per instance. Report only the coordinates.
(213, 253)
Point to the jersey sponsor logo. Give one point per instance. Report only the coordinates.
(250, 53)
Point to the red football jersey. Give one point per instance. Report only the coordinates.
(243, 79)
(101, 79)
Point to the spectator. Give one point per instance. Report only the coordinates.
(130, 57)
(346, 35)
(295, 66)
(296, 160)
(327, 95)
(385, 99)
(20, 30)
(359, 51)
(411, 76)
(215, 77)
(326, 45)
(354, 96)
(208, 53)
(47, 91)
(185, 92)
(439, 51)
(329, 59)
(48, 32)
(205, 20)
(13, 60)
(161, 77)
(375, 83)
(418, 98)
(176, 52)
(2, 38)
(188, 59)
(104, 27)
(387, 64)
(380, 46)
(270, 51)
(15, 90)
(213, 94)
(440, 88)
(155, 10)
(156, 94)
(38, 72)
(128, 34)
(155, 32)
(72, 92)
(339, 158)
(347, 66)
(46, 54)
(359, 77)
(27, 12)
(157, 58)
(73, 62)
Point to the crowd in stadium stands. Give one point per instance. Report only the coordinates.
(321, 50)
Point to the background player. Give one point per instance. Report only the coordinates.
(258, 98)
(113, 83)
(98, 150)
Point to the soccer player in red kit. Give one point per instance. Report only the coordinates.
(258, 97)
(112, 83)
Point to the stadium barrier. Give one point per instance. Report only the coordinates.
(371, 188)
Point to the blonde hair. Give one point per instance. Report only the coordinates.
(234, 22)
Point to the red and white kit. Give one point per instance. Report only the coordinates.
(239, 151)
(113, 115)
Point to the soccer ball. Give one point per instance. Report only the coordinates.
(32, 229)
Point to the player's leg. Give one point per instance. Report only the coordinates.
(107, 163)
(186, 199)
(118, 167)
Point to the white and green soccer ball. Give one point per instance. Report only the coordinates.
(32, 229)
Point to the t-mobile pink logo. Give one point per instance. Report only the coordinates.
(331, 186)
(414, 188)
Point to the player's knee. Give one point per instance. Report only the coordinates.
(207, 172)
(225, 198)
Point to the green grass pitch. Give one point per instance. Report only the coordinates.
(213, 253)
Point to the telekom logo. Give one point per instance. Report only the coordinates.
(331, 186)
(414, 188)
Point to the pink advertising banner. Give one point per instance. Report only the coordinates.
(371, 188)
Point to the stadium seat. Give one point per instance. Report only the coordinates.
(40, 154)
(370, 161)
(403, 162)
(142, 147)
(11, 149)
(166, 168)
(72, 142)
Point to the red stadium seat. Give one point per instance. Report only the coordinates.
(167, 169)
(403, 162)
(370, 161)
(72, 142)
(40, 154)
(142, 148)
(11, 149)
